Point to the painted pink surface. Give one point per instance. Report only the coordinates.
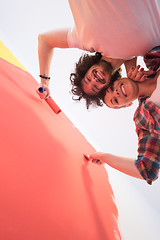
(48, 190)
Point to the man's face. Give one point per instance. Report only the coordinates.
(96, 78)
(121, 93)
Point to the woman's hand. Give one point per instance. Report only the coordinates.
(138, 74)
(97, 157)
(122, 164)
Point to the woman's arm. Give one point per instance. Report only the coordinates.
(125, 165)
(130, 63)
(136, 73)
(46, 44)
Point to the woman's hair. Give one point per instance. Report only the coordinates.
(85, 62)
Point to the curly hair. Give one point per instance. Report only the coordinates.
(85, 62)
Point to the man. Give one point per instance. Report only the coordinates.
(116, 29)
(147, 120)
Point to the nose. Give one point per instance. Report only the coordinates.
(97, 84)
(116, 92)
(94, 80)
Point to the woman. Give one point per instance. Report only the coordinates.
(147, 121)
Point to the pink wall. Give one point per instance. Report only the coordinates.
(48, 191)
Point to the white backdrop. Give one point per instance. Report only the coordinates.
(107, 130)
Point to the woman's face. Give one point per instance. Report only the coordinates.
(96, 78)
(121, 93)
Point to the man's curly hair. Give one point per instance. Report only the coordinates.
(85, 62)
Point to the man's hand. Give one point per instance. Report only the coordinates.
(46, 93)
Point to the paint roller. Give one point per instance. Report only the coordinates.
(50, 102)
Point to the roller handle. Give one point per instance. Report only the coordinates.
(50, 102)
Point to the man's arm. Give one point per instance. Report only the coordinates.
(46, 44)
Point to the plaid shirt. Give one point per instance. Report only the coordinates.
(147, 121)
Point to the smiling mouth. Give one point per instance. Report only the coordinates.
(123, 90)
(99, 76)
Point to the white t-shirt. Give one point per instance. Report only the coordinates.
(118, 29)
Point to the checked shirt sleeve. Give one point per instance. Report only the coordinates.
(147, 121)
(148, 161)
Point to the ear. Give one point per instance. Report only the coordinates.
(129, 104)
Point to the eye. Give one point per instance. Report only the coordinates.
(116, 100)
(111, 87)
(97, 88)
(88, 79)
(85, 80)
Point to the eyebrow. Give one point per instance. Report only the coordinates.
(93, 90)
(84, 79)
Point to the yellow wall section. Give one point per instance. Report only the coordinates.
(8, 56)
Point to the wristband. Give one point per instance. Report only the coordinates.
(45, 77)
